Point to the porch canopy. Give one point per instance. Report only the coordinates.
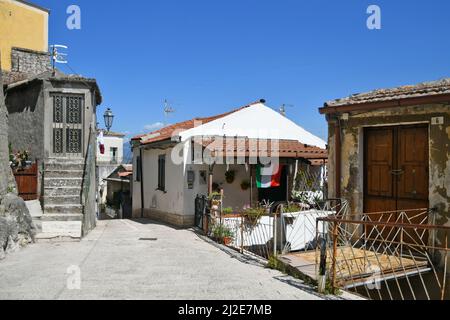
(248, 148)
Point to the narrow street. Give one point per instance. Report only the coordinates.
(115, 264)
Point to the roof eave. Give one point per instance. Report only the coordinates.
(404, 102)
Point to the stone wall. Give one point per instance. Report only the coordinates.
(29, 62)
(352, 144)
(352, 153)
(16, 226)
(4, 159)
(25, 64)
(26, 119)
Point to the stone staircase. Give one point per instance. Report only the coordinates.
(63, 212)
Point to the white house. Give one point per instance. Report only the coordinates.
(230, 152)
(109, 160)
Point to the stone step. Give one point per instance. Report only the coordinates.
(63, 182)
(64, 166)
(60, 227)
(37, 224)
(62, 217)
(35, 209)
(63, 209)
(55, 200)
(64, 160)
(61, 191)
(63, 173)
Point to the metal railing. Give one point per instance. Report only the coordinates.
(384, 255)
(278, 232)
(87, 194)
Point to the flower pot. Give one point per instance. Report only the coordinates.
(229, 179)
(227, 240)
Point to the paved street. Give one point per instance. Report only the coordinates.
(115, 264)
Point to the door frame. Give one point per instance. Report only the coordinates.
(64, 125)
(363, 150)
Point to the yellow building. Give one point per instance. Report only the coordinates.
(22, 25)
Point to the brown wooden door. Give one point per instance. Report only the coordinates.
(26, 180)
(396, 172)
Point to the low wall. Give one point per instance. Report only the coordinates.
(178, 220)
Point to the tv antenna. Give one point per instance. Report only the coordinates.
(57, 55)
(283, 107)
(168, 110)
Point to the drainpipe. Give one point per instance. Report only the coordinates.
(142, 182)
(337, 160)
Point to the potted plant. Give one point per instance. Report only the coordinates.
(229, 176)
(227, 236)
(227, 210)
(245, 185)
(252, 215)
(223, 234)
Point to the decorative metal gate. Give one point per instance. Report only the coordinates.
(68, 123)
(200, 210)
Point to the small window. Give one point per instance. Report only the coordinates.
(138, 169)
(113, 155)
(162, 172)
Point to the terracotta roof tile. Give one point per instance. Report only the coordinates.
(167, 132)
(286, 148)
(381, 95)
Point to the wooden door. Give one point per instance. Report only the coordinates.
(396, 172)
(379, 195)
(26, 180)
(68, 124)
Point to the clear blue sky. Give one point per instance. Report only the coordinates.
(209, 56)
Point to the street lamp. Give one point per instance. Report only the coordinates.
(109, 117)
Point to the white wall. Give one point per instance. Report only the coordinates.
(198, 188)
(234, 196)
(111, 142)
(172, 200)
(136, 189)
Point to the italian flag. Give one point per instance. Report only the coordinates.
(268, 176)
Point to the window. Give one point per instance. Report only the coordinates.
(113, 154)
(138, 169)
(162, 172)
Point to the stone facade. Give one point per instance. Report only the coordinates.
(66, 181)
(27, 63)
(352, 153)
(4, 167)
(30, 62)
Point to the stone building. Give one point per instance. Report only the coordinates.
(389, 149)
(53, 116)
(23, 40)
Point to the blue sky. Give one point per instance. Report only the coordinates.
(210, 56)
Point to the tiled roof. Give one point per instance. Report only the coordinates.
(59, 76)
(124, 174)
(128, 167)
(167, 132)
(111, 133)
(286, 148)
(404, 92)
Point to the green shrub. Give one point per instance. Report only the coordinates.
(221, 231)
(227, 210)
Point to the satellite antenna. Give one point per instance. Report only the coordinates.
(283, 108)
(167, 109)
(57, 56)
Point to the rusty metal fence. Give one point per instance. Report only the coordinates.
(385, 255)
